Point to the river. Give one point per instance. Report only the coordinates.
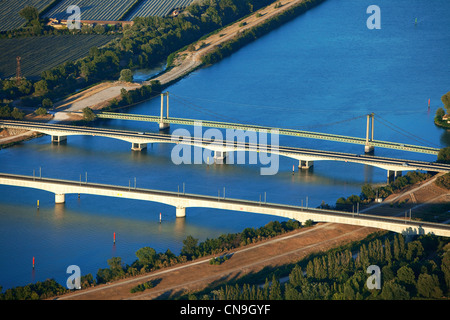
(323, 71)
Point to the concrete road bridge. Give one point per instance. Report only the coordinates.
(181, 201)
(222, 149)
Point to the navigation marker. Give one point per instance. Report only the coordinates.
(33, 262)
(160, 217)
(114, 238)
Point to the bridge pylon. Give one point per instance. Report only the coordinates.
(164, 125)
(369, 148)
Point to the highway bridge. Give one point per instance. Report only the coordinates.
(181, 201)
(221, 148)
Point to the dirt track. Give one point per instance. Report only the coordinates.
(198, 274)
(278, 251)
(187, 61)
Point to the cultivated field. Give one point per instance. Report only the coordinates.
(43, 53)
(160, 8)
(9, 12)
(92, 9)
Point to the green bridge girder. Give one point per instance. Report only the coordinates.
(281, 131)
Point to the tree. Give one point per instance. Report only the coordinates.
(41, 111)
(445, 267)
(444, 155)
(405, 275)
(47, 103)
(146, 256)
(17, 114)
(275, 289)
(446, 101)
(41, 88)
(190, 247)
(367, 192)
(428, 286)
(393, 291)
(88, 114)
(29, 13)
(439, 114)
(126, 75)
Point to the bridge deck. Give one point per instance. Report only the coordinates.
(281, 131)
(182, 200)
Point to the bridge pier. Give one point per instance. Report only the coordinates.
(220, 156)
(305, 164)
(392, 175)
(368, 149)
(181, 212)
(59, 139)
(138, 146)
(164, 125)
(60, 198)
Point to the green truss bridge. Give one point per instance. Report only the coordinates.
(368, 142)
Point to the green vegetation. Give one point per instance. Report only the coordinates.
(39, 54)
(369, 193)
(444, 155)
(446, 101)
(419, 269)
(440, 112)
(126, 75)
(41, 111)
(88, 114)
(14, 14)
(7, 113)
(444, 181)
(130, 97)
(144, 45)
(142, 287)
(39, 290)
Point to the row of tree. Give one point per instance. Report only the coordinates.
(370, 193)
(149, 260)
(419, 269)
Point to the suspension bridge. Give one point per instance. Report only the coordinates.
(369, 142)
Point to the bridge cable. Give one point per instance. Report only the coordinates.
(295, 127)
(405, 133)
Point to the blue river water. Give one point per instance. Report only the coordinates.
(323, 71)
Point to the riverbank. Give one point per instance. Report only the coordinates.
(185, 62)
(424, 198)
(250, 259)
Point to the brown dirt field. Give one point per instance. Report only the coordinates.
(421, 198)
(196, 275)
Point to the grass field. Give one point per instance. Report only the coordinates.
(92, 9)
(161, 8)
(9, 12)
(43, 53)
